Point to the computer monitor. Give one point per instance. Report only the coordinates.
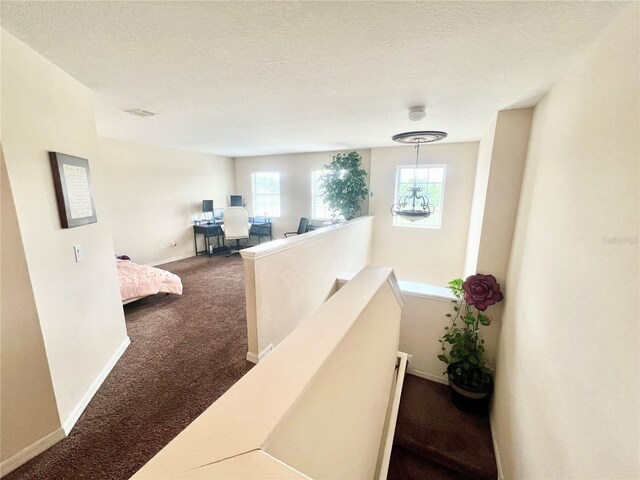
(236, 201)
(207, 206)
(218, 213)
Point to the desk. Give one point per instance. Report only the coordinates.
(260, 227)
(209, 231)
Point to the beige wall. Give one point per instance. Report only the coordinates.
(78, 304)
(481, 182)
(444, 248)
(286, 280)
(423, 322)
(154, 194)
(28, 411)
(295, 183)
(510, 144)
(501, 159)
(423, 255)
(566, 402)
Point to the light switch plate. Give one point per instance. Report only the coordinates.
(77, 250)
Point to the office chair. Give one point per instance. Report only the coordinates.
(236, 226)
(302, 228)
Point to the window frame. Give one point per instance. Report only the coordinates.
(255, 195)
(399, 168)
(314, 182)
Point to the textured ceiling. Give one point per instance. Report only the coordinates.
(248, 78)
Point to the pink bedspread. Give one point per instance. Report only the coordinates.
(142, 280)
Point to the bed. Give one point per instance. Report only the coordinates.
(139, 281)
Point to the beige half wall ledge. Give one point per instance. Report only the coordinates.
(311, 262)
(309, 401)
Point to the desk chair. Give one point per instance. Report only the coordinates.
(302, 228)
(236, 226)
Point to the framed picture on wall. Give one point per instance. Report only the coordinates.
(72, 181)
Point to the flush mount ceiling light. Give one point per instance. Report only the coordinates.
(417, 113)
(414, 205)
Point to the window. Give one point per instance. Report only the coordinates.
(266, 193)
(319, 209)
(431, 179)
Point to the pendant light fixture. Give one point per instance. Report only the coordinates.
(414, 205)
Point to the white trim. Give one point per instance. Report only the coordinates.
(496, 450)
(276, 246)
(253, 358)
(265, 352)
(424, 290)
(393, 417)
(428, 376)
(73, 417)
(421, 290)
(32, 451)
(172, 259)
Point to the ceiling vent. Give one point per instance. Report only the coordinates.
(139, 112)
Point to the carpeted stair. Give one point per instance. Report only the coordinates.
(435, 440)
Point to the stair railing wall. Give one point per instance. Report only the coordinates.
(316, 407)
(286, 280)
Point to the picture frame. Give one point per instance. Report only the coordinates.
(72, 182)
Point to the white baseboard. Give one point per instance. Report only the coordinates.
(393, 416)
(73, 417)
(428, 376)
(265, 352)
(33, 450)
(172, 259)
(253, 358)
(496, 450)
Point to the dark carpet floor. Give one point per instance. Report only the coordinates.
(185, 352)
(434, 440)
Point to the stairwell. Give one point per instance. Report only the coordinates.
(435, 440)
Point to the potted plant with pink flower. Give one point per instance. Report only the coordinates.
(470, 378)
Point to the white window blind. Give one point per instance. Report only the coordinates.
(266, 193)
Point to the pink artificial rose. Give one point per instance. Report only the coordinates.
(482, 291)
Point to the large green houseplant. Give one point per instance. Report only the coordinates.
(344, 186)
(470, 378)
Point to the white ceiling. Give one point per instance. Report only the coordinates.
(250, 78)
